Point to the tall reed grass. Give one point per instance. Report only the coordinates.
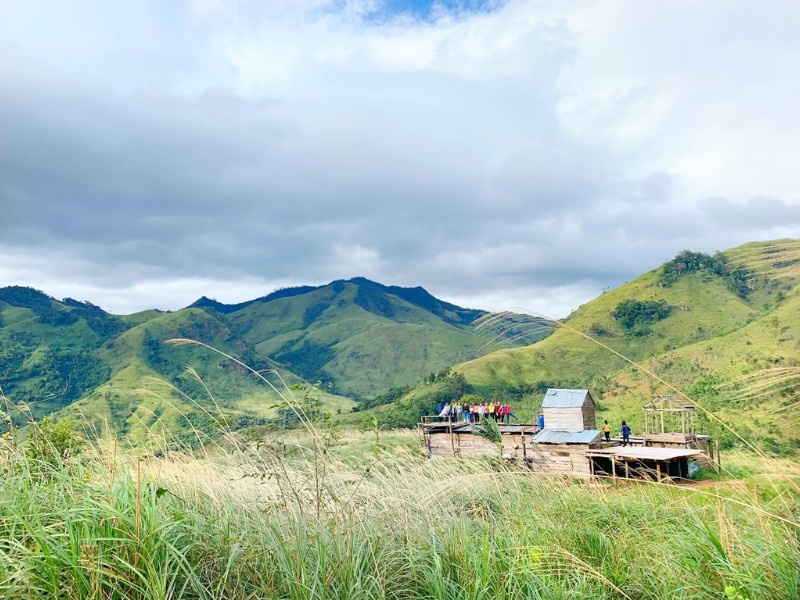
(247, 522)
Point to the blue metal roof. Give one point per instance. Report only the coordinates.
(556, 398)
(552, 436)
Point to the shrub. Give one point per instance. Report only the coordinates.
(636, 315)
(53, 442)
(736, 278)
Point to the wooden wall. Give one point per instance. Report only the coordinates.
(543, 458)
(570, 419)
(589, 417)
(559, 458)
(467, 444)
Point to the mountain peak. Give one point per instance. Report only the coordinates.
(25, 297)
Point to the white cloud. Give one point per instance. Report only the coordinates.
(540, 150)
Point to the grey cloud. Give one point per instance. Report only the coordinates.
(452, 167)
(752, 213)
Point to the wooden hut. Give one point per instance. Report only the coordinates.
(446, 439)
(554, 451)
(568, 410)
(570, 444)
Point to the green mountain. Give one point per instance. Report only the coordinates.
(725, 329)
(360, 336)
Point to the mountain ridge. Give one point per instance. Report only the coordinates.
(417, 295)
(72, 357)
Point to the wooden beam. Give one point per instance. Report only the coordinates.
(658, 472)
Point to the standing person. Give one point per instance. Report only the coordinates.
(445, 414)
(607, 430)
(481, 411)
(510, 413)
(459, 411)
(490, 409)
(626, 434)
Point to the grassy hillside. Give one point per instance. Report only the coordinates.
(359, 335)
(711, 335)
(151, 390)
(48, 349)
(718, 328)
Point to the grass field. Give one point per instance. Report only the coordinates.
(366, 517)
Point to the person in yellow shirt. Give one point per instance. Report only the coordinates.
(607, 430)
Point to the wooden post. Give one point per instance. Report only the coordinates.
(613, 467)
(719, 458)
(452, 439)
(627, 470)
(662, 421)
(658, 472)
(683, 422)
(524, 449)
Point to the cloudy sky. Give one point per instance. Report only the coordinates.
(501, 154)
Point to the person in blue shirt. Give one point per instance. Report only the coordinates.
(626, 434)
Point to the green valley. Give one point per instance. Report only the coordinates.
(357, 337)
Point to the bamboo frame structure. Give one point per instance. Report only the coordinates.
(661, 415)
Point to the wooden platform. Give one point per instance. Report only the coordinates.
(464, 427)
(647, 453)
(642, 462)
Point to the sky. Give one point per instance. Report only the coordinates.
(501, 154)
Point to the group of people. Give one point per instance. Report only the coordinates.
(501, 413)
(473, 413)
(625, 430)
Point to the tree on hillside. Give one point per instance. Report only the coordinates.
(635, 315)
